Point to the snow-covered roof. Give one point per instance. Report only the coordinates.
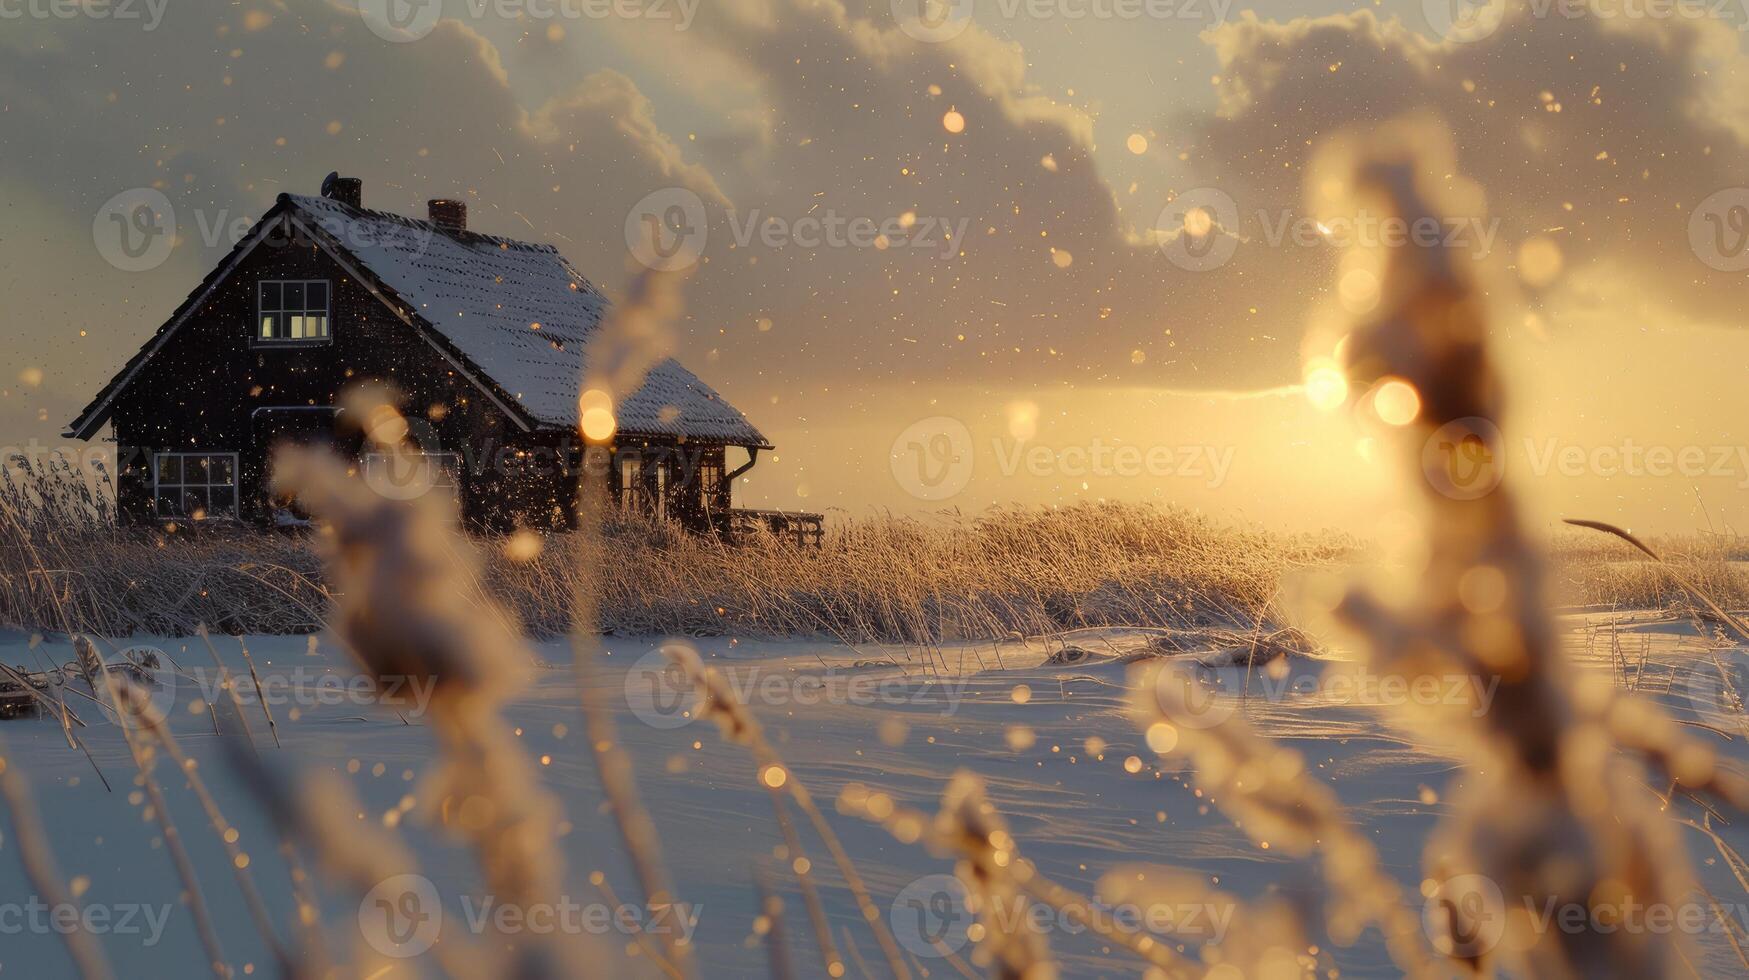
(486, 294)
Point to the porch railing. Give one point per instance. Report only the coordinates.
(804, 529)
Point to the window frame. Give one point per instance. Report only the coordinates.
(259, 310)
(712, 478)
(629, 482)
(236, 485)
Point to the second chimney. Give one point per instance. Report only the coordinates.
(449, 215)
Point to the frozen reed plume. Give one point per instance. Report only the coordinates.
(31, 842)
(977, 833)
(636, 335)
(633, 339)
(1000, 883)
(408, 610)
(715, 699)
(1550, 813)
(136, 708)
(131, 710)
(1267, 790)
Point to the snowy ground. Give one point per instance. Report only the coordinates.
(1076, 814)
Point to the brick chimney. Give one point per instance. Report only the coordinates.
(346, 190)
(449, 215)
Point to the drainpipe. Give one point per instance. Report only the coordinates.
(752, 457)
(727, 525)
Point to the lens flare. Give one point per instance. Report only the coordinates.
(1396, 401)
(595, 415)
(1326, 387)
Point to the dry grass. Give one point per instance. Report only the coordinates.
(1590, 570)
(65, 566)
(892, 579)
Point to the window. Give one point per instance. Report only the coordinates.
(197, 486)
(710, 482)
(293, 312)
(632, 494)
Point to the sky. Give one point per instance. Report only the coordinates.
(1035, 327)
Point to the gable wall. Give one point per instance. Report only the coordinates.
(201, 390)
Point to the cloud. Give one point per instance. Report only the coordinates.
(832, 113)
(223, 109)
(1602, 135)
(1052, 282)
(1056, 283)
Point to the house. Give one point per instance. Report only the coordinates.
(484, 336)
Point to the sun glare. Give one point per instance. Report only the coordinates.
(1326, 387)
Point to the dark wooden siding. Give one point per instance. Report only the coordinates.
(211, 389)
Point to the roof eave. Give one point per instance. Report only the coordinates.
(756, 441)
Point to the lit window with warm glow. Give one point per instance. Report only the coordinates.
(292, 312)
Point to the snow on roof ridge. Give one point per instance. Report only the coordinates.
(423, 224)
(523, 314)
